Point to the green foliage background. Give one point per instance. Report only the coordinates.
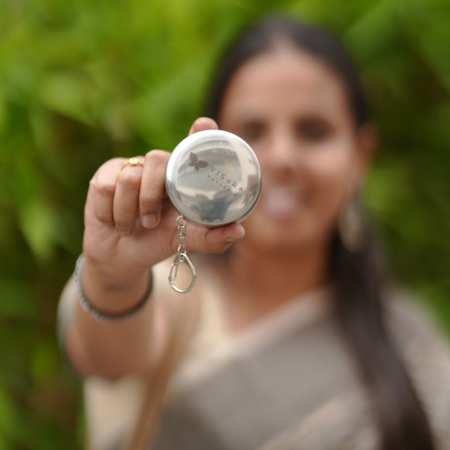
(82, 81)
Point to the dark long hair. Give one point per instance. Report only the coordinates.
(357, 276)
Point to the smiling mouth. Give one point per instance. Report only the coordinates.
(283, 202)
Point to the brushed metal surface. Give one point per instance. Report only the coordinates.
(213, 178)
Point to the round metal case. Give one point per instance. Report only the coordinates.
(213, 178)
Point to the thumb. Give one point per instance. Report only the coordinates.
(202, 124)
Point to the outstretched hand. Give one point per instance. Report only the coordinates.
(130, 220)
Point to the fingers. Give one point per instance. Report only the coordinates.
(153, 178)
(203, 123)
(114, 192)
(218, 240)
(119, 193)
(103, 187)
(126, 197)
(153, 187)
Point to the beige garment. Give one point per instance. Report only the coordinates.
(339, 420)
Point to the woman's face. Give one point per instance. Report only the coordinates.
(294, 113)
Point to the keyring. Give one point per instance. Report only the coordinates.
(213, 179)
(181, 258)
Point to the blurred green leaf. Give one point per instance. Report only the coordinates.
(45, 362)
(38, 223)
(8, 419)
(16, 300)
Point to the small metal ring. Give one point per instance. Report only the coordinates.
(184, 218)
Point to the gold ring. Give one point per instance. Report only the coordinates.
(132, 162)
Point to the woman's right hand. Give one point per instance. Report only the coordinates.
(130, 223)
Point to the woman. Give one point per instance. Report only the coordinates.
(290, 339)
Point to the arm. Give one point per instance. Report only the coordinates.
(113, 349)
(129, 227)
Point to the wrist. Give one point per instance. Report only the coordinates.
(112, 289)
(113, 269)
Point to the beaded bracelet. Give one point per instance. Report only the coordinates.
(96, 313)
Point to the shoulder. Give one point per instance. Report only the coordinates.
(426, 354)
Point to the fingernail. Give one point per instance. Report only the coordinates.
(230, 240)
(240, 231)
(149, 220)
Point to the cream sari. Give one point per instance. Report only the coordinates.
(286, 382)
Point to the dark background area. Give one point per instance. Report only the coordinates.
(82, 81)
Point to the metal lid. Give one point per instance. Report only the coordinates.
(213, 178)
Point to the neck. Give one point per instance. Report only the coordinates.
(264, 279)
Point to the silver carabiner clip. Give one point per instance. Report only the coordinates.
(181, 258)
